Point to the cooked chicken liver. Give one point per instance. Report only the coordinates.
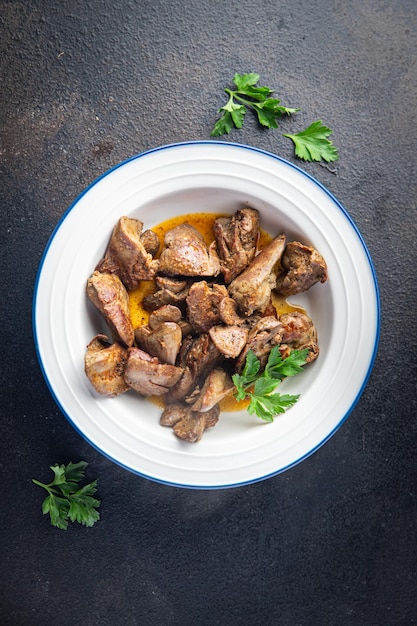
(192, 426)
(198, 357)
(228, 313)
(108, 294)
(168, 291)
(147, 375)
(236, 238)
(217, 386)
(263, 336)
(173, 413)
(150, 242)
(166, 313)
(230, 340)
(127, 255)
(163, 342)
(302, 267)
(203, 303)
(298, 333)
(104, 364)
(252, 288)
(186, 254)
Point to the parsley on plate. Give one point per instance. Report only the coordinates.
(260, 388)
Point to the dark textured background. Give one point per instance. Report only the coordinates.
(333, 540)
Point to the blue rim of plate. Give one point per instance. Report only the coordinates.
(371, 267)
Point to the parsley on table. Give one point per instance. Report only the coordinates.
(248, 94)
(260, 388)
(66, 499)
(312, 144)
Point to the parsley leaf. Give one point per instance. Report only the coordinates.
(260, 389)
(268, 406)
(280, 368)
(233, 115)
(249, 95)
(66, 499)
(245, 83)
(312, 144)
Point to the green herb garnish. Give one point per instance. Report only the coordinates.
(66, 499)
(247, 94)
(260, 388)
(312, 144)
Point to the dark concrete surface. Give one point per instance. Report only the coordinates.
(333, 540)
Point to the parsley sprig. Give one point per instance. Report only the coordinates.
(247, 94)
(311, 144)
(260, 388)
(66, 499)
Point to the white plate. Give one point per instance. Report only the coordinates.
(209, 176)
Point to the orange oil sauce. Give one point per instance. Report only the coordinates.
(203, 222)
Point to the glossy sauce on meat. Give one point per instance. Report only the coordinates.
(203, 222)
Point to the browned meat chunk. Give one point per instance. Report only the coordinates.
(163, 342)
(217, 386)
(186, 254)
(173, 413)
(298, 333)
(166, 313)
(186, 327)
(147, 375)
(236, 239)
(192, 426)
(184, 386)
(108, 294)
(252, 288)
(202, 356)
(169, 313)
(104, 364)
(168, 291)
(302, 267)
(127, 256)
(203, 305)
(228, 313)
(198, 356)
(212, 416)
(230, 340)
(263, 336)
(150, 242)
